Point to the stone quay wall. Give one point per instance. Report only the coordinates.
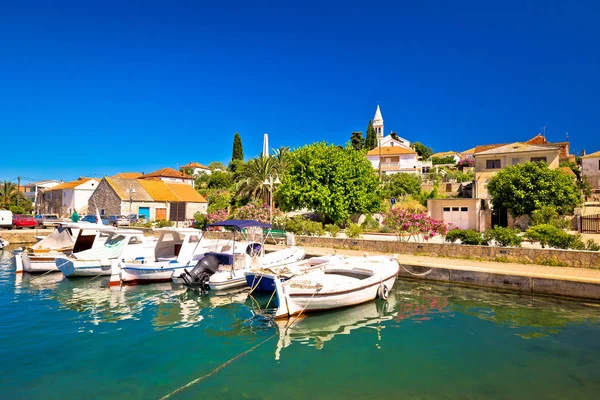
(551, 257)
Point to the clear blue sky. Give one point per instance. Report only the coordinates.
(99, 87)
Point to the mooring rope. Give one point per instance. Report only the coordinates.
(220, 367)
(257, 283)
(47, 272)
(415, 274)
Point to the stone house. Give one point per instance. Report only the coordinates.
(65, 198)
(590, 168)
(154, 198)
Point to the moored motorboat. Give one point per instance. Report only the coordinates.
(354, 281)
(120, 244)
(262, 279)
(41, 257)
(176, 248)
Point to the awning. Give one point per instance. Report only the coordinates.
(239, 224)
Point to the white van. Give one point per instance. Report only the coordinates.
(5, 219)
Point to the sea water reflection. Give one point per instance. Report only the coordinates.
(189, 333)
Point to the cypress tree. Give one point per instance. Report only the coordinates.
(358, 141)
(238, 151)
(371, 140)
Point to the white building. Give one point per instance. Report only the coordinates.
(590, 168)
(67, 197)
(393, 153)
(197, 168)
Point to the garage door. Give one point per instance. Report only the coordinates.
(161, 213)
(457, 216)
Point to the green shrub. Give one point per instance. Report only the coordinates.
(354, 231)
(199, 220)
(370, 223)
(453, 235)
(385, 229)
(504, 236)
(333, 229)
(548, 215)
(163, 223)
(551, 236)
(589, 245)
(302, 226)
(468, 236)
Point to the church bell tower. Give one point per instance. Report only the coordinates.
(378, 123)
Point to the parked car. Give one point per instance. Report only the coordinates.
(138, 218)
(46, 220)
(118, 220)
(94, 220)
(20, 221)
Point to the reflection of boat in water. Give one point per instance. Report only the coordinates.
(316, 329)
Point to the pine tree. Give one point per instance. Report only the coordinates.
(358, 141)
(238, 150)
(371, 140)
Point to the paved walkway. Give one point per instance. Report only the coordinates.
(528, 270)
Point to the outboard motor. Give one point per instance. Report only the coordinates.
(201, 273)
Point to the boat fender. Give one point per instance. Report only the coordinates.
(383, 292)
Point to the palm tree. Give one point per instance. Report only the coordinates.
(8, 195)
(250, 181)
(281, 159)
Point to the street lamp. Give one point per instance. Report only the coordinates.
(131, 191)
(269, 181)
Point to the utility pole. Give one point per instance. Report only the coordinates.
(18, 188)
(379, 145)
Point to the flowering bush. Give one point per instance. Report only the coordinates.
(466, 162)
(219, 215)
(256, 212)
(419, 226)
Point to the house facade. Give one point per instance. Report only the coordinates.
(33, 191)
(590, 168)
(455, 156)
(153, 198)
(65, 198)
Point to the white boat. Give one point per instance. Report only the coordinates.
(224, 270)
(3, 243)
(41, 256)
(262, 279)
(234, 276)
(120, 244)
(176, 249)
(354, 281)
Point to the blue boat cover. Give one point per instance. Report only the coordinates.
(239, 224)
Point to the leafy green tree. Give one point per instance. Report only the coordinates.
(443, 160)
(423, 151)
(401, 184)
(217, 165)
(218, 199)
(371, 139)
(524, 188)
(220, 180)
(358, 141)
(336, 182)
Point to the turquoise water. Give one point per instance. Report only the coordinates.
(78, 338)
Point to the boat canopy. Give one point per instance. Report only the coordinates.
(239, 224)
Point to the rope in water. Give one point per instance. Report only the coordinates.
(220, 367)
(257, 283)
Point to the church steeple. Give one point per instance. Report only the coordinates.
(378, 123)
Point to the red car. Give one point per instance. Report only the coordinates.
(23, 221)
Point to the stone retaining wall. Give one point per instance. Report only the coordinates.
(563, 258)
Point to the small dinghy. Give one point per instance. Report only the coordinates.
(262, 279)
(354, 281)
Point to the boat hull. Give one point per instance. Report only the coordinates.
(225, 280)
(262, 282)
(148, 273)
(73, 268)
(39, 264)
(329, 301)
